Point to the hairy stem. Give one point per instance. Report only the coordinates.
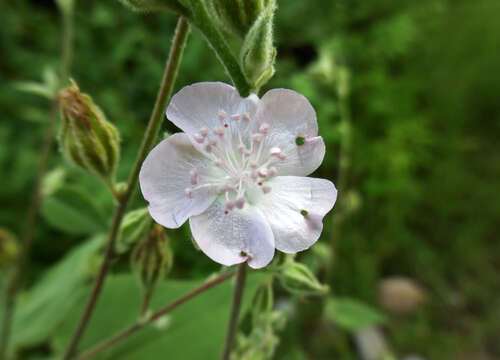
(164, 94)
(203, 20)
(136, 327)
(235, 310)
(15, 282)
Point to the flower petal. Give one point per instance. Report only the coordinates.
(198, 105)
(291, 116)
(285, 209)
(164, 177)
(223, 237)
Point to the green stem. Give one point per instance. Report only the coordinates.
(16, 279)
(203, 20)
(235, 310)
(136, 327)
(164, 94)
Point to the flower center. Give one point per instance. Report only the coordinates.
(242, 161)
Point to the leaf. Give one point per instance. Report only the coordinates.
(71, 210)
(352, 315)
(41, 309)
(195, 330)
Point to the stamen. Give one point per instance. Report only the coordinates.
(230, 205)
(194, 176)
(254, 165)
(219, 130)
(199, 138)
(263, 173)
(240, 203)
(275, 151)
(257, 138)
(189, 192)
(264, 128)
(208, 148)
(272, 171)
(246, 116)
(204, 131)
(221, 114)
(266, 189)
(235, 117)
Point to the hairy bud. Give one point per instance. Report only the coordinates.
(176, 6)
(263, 299)
(9, 249)
(237, 17)
(258, 54)
(87, 139)
(152, 257)
(298, 279)
(134, 227)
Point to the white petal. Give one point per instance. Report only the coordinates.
(290, 115)
(223, 237)
(282, 208)
(197, 106)
(164, 177)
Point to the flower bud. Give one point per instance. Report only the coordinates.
(134, 227)
(298, 279)
(257, 53)
(9, 249)
(236, 17)
(152, 257)
(87, 139)
(263, 299)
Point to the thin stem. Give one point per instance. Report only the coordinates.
(164, 93)
(203, 20)
(343, 168)
(15, 282)
(235, 309)
(136, 327)
(146, 299)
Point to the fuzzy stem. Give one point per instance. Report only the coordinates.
(134, 328)
(164, 93)
(15, 282)
(235, 310)
(203, 20)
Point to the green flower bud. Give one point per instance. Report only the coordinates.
(87, 139)
(135, 226)
(298, 279)
(257, 53)
(9, 249)
(236, 17)
(152, 258)
(263, 299)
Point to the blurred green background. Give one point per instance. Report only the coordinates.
(419, 196)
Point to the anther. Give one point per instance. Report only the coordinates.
(219, 130)
(263, 173)
(259, 183)
(275, 151)
(242, 148)
(208, 148)
(272, 171)
(194, 176)
(230, 205)
(240, 203)
(246, 116)
(226, 212)
(199, 138)
(264, 128)
(257, 138)
(221, 114)
(188, 192)
(213, 142)
(254, 165)
(219, 163)
(226, 126)
(204, 131)
(235, 117)
(266, 189)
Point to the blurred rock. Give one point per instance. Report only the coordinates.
(371, 343)
(400, 295)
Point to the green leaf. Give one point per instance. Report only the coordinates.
(41, 309)
(195, 330)
(72, 210)
(352, 315)
(35, 88)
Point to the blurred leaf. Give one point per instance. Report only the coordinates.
(72, 210)
(352, 315)
(195, 330)
(41, 309)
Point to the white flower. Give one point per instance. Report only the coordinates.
(238, 173)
